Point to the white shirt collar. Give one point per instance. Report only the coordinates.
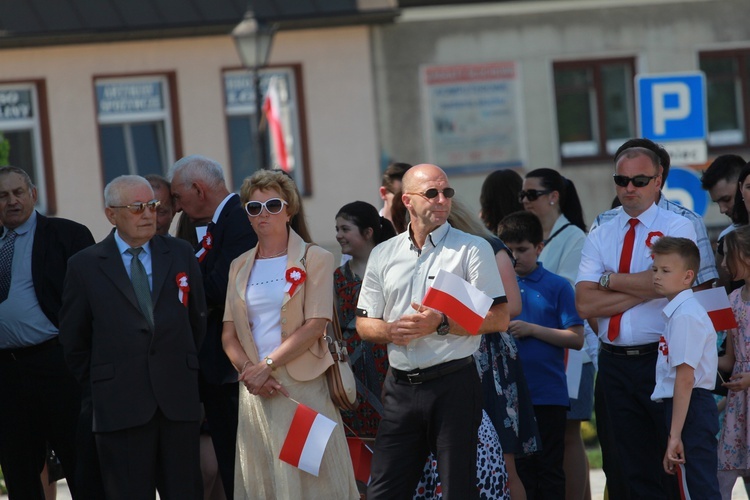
(215, 218)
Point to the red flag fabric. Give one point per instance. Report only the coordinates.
(716, 304)
(361, 459)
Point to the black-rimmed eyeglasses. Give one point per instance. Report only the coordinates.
(638, 181)
(532, 194)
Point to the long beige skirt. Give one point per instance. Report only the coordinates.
(262, 428)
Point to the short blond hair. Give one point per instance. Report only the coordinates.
(684, 248)
(264, 180)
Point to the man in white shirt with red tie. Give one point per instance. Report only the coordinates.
(615, 285)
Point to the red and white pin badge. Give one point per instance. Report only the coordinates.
(294, 277)
(183, 287)
(206, 245)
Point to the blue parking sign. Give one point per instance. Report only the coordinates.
(672, 107)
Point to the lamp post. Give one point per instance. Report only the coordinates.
(253, 40)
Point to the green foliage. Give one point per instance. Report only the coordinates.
(594, 455)
(4, 150)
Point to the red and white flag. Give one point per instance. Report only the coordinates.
(459, 300)
(306, 440)
(272, 110)
(361, 458)
(716, 304)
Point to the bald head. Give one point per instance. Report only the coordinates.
(418, 174)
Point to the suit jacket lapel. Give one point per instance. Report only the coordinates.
(160, 266)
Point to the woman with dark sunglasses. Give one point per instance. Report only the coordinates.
(554, 199)
(279, 300)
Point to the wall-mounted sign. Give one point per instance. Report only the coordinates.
(15, 104)
(472, 116)
(119, 98)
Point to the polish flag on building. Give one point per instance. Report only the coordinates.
(306, 439)
(716, 304)
(272, 110)
(459, 300)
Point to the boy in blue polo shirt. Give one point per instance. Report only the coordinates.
(546, 326)
(686, 371)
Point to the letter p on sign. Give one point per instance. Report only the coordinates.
(660, 93)
(671, 107)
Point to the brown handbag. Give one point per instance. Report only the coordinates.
(340, 377)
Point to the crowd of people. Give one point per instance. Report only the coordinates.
(151, 362)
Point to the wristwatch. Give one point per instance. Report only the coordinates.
(444, 328)
(604, 279)
(269, 363)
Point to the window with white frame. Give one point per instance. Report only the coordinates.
(281, 127)
(728, 96)
(595, 106)
(21, 133)
(135, 126)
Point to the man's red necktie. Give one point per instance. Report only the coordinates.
(625, 258)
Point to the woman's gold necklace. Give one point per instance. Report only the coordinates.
(270, 256)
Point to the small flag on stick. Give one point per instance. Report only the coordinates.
(306, 440)
(716, 304)
(459, 300)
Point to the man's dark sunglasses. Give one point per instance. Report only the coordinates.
(638, 181)
(433, 193)
(532, 194)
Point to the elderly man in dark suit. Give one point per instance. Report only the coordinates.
(199, 190)
(132, 320)
(39, 398)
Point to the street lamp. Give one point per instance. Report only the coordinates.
(253, 40)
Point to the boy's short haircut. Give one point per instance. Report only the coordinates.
(521, 226)
(685, 248)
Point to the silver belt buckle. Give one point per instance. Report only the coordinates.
(633, 352)
(415, 381)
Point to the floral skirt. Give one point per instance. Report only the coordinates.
(507, 399)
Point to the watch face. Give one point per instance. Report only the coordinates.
(269, 361)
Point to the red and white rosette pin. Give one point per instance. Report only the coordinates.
(652, 237)
(206, 245)
(294, 278)
(183, 287)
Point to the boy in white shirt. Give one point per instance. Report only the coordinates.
(686, 371)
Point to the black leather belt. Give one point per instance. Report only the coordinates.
(629, 350)
(421, 375)
(22, 352)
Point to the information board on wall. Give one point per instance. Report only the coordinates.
(472, 116)
(119, 98)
